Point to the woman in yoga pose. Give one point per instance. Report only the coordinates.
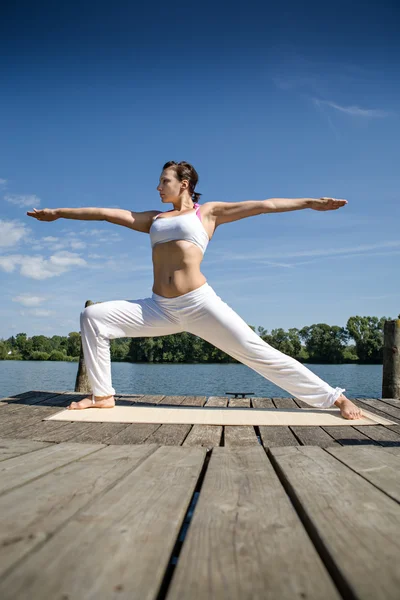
(182, 300)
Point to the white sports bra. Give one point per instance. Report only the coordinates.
(180, 227)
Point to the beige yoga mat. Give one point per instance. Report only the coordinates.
(183, 415)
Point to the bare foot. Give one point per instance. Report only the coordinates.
(100, 402)
(348, 409)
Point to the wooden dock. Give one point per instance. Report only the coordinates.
(179, 512)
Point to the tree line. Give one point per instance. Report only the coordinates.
(318, 343)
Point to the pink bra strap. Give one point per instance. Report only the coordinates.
(197, 210)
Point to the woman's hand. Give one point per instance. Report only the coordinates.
(45, 214)
(326, 203)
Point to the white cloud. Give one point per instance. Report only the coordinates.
(67, 259)
(354, 111)
(37, 267)
(3, 181)
(8, 263)
(21, 200)
(11, 232)
(106, 234)
(40, 312)
(77, 245)
(28, 300)
(265, 257)
(55, 243)
(37, 312)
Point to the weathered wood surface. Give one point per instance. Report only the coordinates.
(245, 540)
(35, 510)
(207, 435)
(288, 523)
(353, 523)
(10, 447)
(377, 467)
(121, 541)
(240, 435)
(21, 418)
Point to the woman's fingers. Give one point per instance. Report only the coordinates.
(45, 214)
(330, 203)
(34, 213)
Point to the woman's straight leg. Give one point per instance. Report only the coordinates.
(217, 323)
(115, 319)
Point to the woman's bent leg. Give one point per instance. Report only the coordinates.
(220, 325)
(118, 318)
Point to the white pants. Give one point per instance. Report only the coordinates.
(202, 313)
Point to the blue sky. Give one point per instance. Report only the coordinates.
(297, 100)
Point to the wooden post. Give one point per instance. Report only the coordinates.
(82, 383)
(391, 360)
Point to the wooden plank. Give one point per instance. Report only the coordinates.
(355, 526)
(301, 403)
(245, 541)
(349, 436)
(392, 450)
(13, 408)
(274, 435)
(16, 426)
(103, 432)
(392, 401)
(386, 408)
(137, 433)
(30, 415)
(58, 495)
(20, 469)
(172, 434)
(240, 435)
(374, 464)
(284, 403)
(28, 423)
(381, 434)
(344, 435)
(98, 432)
(314, 436)
(121, 544)
(207, 436)
(45, 430)
(29, 397)
(10, 447)
(277, 436)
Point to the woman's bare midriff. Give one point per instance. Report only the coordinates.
(176, 268)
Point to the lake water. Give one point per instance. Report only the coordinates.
(360, 381)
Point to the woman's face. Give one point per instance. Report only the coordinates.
(170, 187)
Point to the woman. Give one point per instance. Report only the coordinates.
(182, 300)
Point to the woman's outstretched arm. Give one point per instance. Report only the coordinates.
(82, 214)
(140, 221)
(226, 212)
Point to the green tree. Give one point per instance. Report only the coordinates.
(73, 345)
(24, 345)
(36, 355)
(41, 343)
(367, 332)
(57, 355)
(325, 343)
(119, 349)
(287, 342)
(3, 350)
